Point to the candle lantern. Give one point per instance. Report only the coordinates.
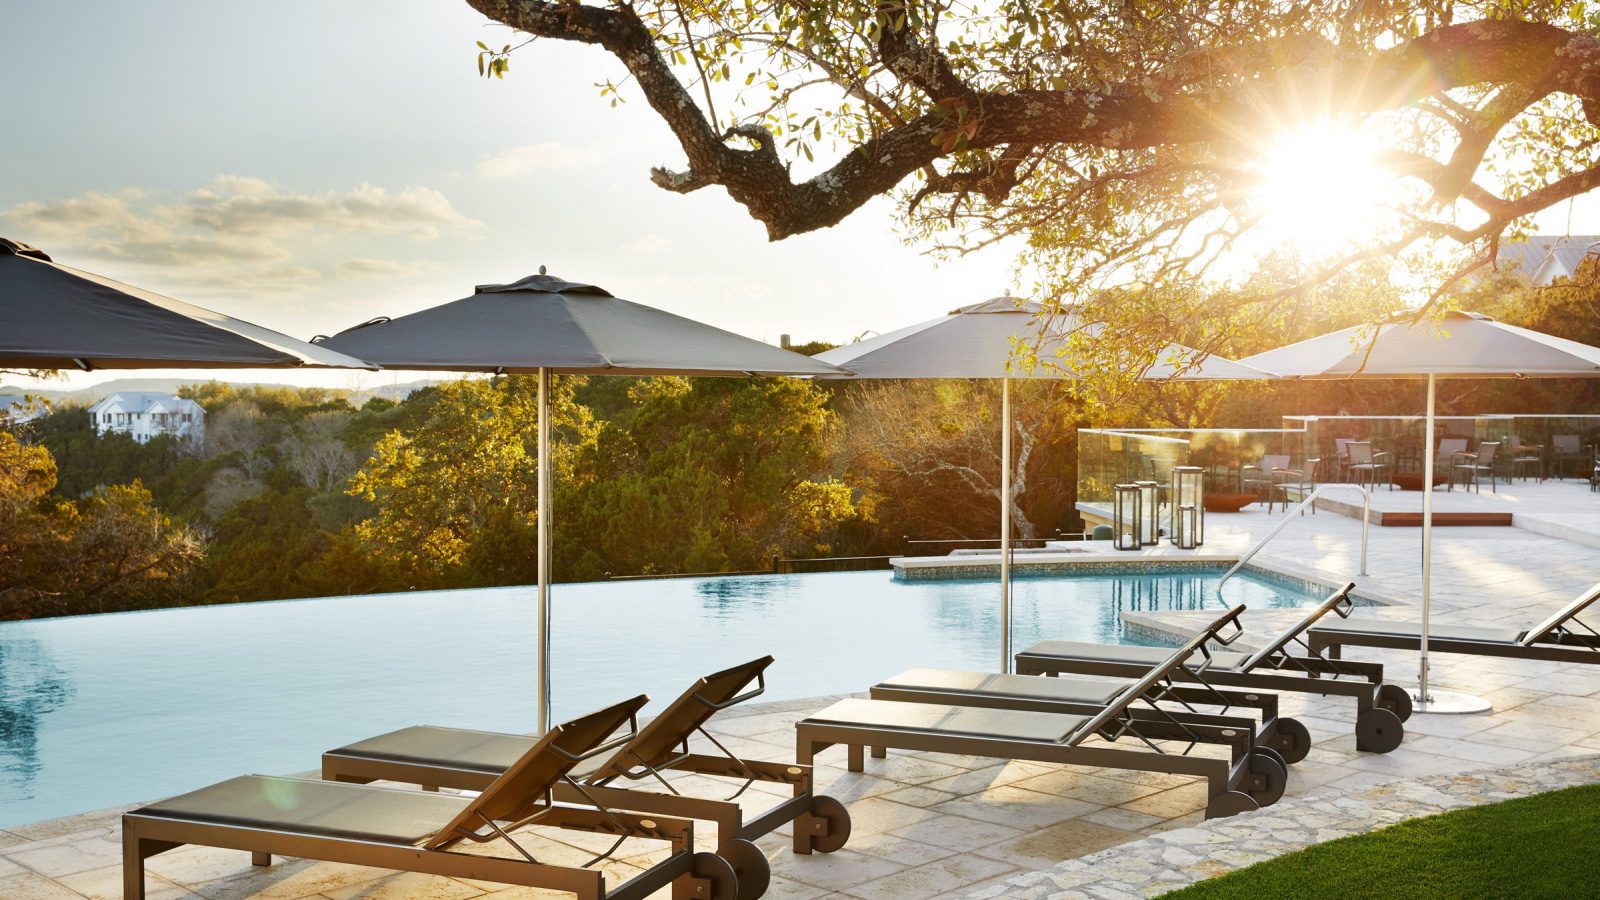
(1125, 515)
(1149, 512)
(1187, 498)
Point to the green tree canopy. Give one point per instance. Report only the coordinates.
(706, 475)
(449, 492)
(1125, 146)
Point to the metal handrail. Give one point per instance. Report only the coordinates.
(1366, 521)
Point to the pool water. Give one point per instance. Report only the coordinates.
(98, 711)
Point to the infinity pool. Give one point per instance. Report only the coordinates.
(97, 711)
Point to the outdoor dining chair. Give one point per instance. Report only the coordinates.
(1260, 478)
(1299, 482)
(1526, 459)
(1341, 453)
(1472, 469)
(1564, 450)
(1449, 450)
(1366, 464)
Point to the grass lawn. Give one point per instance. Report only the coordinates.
(1547, 845)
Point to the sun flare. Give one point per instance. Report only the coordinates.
(1322, 188)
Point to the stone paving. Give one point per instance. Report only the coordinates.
(1171, 859)
(932, 825)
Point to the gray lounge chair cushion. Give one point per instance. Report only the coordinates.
(1029, 687)
(486, 752)
(1005, 724)
(455, 748)
(1130, 655)
(1388, 628)
(321, 808)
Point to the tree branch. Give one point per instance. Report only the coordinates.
(1536, 57)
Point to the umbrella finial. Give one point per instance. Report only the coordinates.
(543, 271)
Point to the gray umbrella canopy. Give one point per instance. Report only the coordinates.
(542, 322)
(57, 317)
(545, 325)
(979, 341)
(1463, 345)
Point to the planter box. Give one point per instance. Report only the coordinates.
(1414, 482)
(1228, 503)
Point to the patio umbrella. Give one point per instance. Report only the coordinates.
(543, 325)
(1468, 345)
(58, 317)
(979, 341)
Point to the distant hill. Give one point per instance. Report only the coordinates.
(95, 393)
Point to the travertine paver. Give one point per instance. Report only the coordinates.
(932, 825)
(1171, 859)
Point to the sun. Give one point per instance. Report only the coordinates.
(1322, 188)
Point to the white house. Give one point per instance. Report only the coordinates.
(1544, 258)
(145, 414)
(16, 409)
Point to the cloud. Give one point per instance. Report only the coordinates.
(250, 206)
(650, 243)
(239, 231)
(514, 161)
(365, 268)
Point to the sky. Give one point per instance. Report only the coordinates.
(310, 165)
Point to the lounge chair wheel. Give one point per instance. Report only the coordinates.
(1395, 699)
(1378, 730)
(1292, 740)
(718, 876)
(834, 820)
(1265, 765)
(1274, 755)
(1230, 803)
(750, 865)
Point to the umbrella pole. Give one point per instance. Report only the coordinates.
(1428, 700)
(543, 514)
(1427, 540)
(1005, 525)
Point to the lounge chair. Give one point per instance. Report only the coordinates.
(1380, 708)
(1165, 712)
(418, 832)
(1248, 779)
(1559, 638)
(1169, 709)
(468, 760)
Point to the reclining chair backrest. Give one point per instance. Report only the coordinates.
(1339, 601)
(1542, 630)
(1156, 674)
(521, 789)
(663, 737)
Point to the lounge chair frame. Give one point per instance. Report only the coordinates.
(1561, 637)
(1381, 709)
(820, 823)
(1283, 736)
(523, 795)
(1232, 784)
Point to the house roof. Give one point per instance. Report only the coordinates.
(1545, 257)
(145, 402)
